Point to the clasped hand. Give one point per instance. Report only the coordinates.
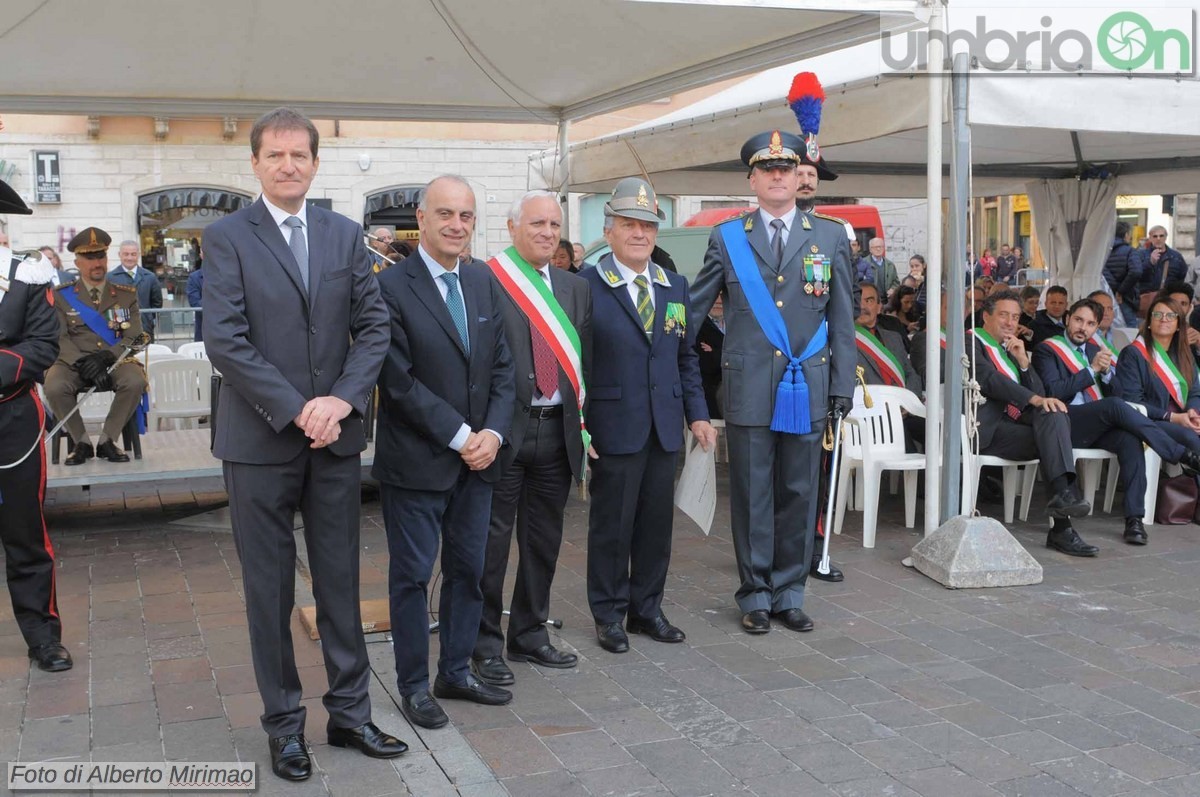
(320, 419)
(480, 449)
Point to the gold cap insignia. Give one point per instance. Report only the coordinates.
(815, 249)
(642, 200)
(775, 148)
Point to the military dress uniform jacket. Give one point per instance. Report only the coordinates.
(752, 367)
(149, 291)
(77, 338)
(29, 337)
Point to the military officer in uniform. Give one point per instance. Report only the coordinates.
(98, 320)
(28, 345)
(787, 270)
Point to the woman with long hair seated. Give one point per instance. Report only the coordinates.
(1158, 371)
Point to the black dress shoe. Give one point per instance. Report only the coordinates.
(51, 657)
(834, 575)
(547, 656)
(494, 671)
(612, 637)
(108, 450)
(421, 709)
(1190, 462)
(659, 629)
(367, 739)
(1135, 530)
(1068, 503)
(289, 757)
(756, 622)
(472, 689)
(1069, 542)
(794, 620)
(80, 454)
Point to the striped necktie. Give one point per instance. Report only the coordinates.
(644, 308)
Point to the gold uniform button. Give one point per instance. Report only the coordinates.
(778, 353)
(779, 278)
(779, 304)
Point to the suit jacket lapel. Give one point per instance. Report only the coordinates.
(472, 301)
(661, 300)
(318, 252)
(431, 297)
(268, 232)
(760, 241)
(621, 291)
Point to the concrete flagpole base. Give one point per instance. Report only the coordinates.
(968, 552)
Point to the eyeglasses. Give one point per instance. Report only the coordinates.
(1158, 315)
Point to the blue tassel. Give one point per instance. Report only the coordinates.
(143, 410)
(792, 415)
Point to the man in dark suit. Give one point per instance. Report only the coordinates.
(446, 405)
(803, 260)
(1021, 420)
(545, 447)
(133, 274)
(646, 382)
(880, 351)
(1081, 374)
(294, 323)
(1052, 321)
(710, 341)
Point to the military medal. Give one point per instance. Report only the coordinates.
(808, 288)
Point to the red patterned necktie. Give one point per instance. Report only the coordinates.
(1013, 411)
(545, 364)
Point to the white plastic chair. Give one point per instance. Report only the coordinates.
(179, 389)
(1012, 470)
(881, 447)
(157, 349)
(194, 350)
(1089, 464)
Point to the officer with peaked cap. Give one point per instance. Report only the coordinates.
(28, 345)
(645, 382)
(99, 320)
(788, 359)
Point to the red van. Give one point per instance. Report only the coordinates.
(863, 218)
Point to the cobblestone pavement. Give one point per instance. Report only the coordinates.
(1086, 684)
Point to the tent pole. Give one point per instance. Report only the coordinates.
(564, 163)
(960, 172)
(933, 267)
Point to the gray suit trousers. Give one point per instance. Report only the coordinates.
(263, 500)
(773, 481)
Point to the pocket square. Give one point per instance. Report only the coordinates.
(482, 320)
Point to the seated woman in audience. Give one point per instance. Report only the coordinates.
(903, 307)
(1157, 370)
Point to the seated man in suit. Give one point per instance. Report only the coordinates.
(1021, 420)
(446, 401)
(1081, 374)
(881, 352)
(97, 320)
(1103, 336)
(1052, 321)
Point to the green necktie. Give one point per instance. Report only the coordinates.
(644, 308)
(96, 296)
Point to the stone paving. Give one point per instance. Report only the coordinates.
(1088, 684)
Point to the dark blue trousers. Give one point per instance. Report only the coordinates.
(416, 521)
(1114, 426)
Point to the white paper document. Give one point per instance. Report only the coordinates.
(696, 493)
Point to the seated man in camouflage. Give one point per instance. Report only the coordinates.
(97, 319)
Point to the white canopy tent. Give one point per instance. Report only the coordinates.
(461, 60)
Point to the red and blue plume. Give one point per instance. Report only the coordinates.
(805, 99)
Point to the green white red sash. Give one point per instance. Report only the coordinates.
(1103, 343)
(886, 363)
(998, 355)
(532, 294)
(1163, 368)
(1075, 362)
(942, 338)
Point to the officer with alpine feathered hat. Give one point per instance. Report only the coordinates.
(788, 359)
(28, 346)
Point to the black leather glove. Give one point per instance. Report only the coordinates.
(104, 381)
(840, 405)
(93, 366)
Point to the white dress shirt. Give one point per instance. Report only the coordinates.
(556, 399)
(629, 275)
(280, 216)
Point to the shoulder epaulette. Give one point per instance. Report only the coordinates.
(127, 288)
(739, 217)
(829, 218)
(34, 272)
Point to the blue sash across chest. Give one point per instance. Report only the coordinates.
(90, 316)
(792, 414)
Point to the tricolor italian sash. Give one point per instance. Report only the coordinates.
(1075, 362)
(998, 355)
(533, 296)
(942, 339)
(1162, 367)
(886, 363)
(1103, 343)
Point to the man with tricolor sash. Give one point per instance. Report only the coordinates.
(1081, 375)
(789, 360)
(547, 321)
(645, 389)
(881, 351)
(98, 321)
(1020, 420)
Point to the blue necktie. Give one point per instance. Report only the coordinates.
(299, 247)
(458, 311)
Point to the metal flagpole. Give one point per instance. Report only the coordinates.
(933, 269)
